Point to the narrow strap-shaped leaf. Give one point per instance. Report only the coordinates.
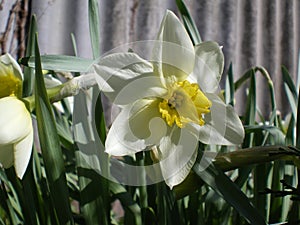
(60, 63)
(29, 72)
(228, 190)
(288, 80)
(188, 22)
(229, 90)
(50, 145)
(294, 214)
(89, 159)
(290, 90)
(276, 204)
(128, 203)
(274, 131)
(250, 106)
(249, 119)
(94, 25)
(298, 124)
(11, 201)
(98, 113)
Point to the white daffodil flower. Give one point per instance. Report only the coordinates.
(16, 131)
(169, 102)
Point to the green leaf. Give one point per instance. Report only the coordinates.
(260, 182)
(250, 106)
(50, 145)
(276, 204)
(229, 89)
(279, 138)
(249, 117)
(10, 197)
(298, 74)
(128, 203)
(90, 159)
(228, 190)
(294, 213)
(290, 133)
(288, 80)
(290, 90)
(29, 72)
(94, 25)
(60, 63)
(188, 22)
(292, 100)
(298, 124)
(91, 193)
(64, 132)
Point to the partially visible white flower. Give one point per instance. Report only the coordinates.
(16, 131)
(16, 134)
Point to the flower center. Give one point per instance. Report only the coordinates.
(184, 103)
(176, 100)
(10, 85)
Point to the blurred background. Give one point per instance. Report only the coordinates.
(253, 33)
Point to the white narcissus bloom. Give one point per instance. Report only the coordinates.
(16, 131)
(169, 102)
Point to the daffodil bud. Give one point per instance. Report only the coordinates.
(11, 77)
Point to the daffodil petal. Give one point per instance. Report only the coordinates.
(116, 71)
(222, 125)
(15, 120)
(136, 127)
(22, 153)
(11, 77)
(7, 155)
(51, 81)
(146, 112)
(146, 86)
(8, 60)
(173, 45)
(177, 155)
(209, 64)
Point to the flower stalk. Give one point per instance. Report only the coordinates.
(70, 88)
(237, 159)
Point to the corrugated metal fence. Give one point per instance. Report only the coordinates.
(252, 32)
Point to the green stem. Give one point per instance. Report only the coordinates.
(70, 88)
(237, 159)
(256, 155)
(271, 89)
(266, 75)
(142, 188)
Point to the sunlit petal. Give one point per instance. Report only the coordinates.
(15, 120)
(172, 47)
(223, 126)
(209, 64)
(135, 128)
(116, 71)
(9, 61)
(178, 152)
(22, 153)
(147, 86)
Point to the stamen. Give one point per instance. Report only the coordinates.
(181, 93)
